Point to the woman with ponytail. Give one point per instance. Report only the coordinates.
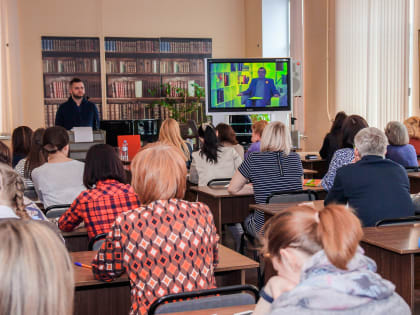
(213, 160)
(60, 180)
(321, 267)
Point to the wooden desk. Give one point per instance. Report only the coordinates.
(274, 208)
(307, 173)
(97, 297)
(319, 165)
(394, 249)
(76, 240)
(218, 311)
(414, 178)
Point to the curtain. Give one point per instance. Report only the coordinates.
(10, 98)
(372, 59)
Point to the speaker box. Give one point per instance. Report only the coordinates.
(297, 78)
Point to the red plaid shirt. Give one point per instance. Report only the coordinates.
(99, 207)
(168, 246)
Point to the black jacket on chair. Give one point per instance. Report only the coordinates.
(376, 188)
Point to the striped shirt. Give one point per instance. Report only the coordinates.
(20, 169)
(271, 172)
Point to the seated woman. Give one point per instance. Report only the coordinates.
(5, 155)
(227, 138)
(60, 180)
(413, 128)
(107, 195)
(37, 272)
(398, 149)
(273, 169)
(257, 131)
(213, 160)
(21, 143)
(345, 155)
(332, 140)
(166, 233)
(170, 133)
(321, 268)
(35, 158)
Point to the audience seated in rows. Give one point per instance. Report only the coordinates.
(399, 150)
(60, 180)
(227, 138)
(107, 196)
(168, 245)
(321, 268)
(257, 131)
(21, 143)
(273, 169)
(36, 157)
(332, 140)
(170, 133)
(377, 188)
(413, 127)
(345, 155)
(212, 160)
(37, 273)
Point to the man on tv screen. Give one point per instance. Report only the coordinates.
(260, 90)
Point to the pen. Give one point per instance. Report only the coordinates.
(83, 265)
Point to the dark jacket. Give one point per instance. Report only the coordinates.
(376, 188)
(329, 146)
(70, 115)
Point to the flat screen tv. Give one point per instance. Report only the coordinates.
(248, 85)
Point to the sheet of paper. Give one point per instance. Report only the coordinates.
(83, 134)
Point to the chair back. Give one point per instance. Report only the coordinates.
(226, 296)
(292, 196)
(133, 142)
(398, 221)
(56, 211)
(96, 242)
(217, 182)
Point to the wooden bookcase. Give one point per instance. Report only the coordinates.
(63, 59)
(141, 72)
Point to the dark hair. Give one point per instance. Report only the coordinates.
(5, 156)
(55, 139)
(226, 134)
(351, 126)
(75, 80)
(338, 122)
(21, 140)
(210, 147)
(102, 162)
(37, 155)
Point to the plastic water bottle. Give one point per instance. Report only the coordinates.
(124, 149)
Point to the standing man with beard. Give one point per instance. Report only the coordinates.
(77, 111)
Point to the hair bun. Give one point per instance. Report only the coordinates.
(50, 148)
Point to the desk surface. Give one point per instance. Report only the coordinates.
(413, 175)
(309, 172)
(402, 239)
(219, 311)
(274, 208)
(229, 260)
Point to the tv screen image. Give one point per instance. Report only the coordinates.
(243, 85)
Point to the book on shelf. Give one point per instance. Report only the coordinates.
(59, 88)
(132, 46)
(70, 44)
(134, 88)
(71, 65)
(185, 46)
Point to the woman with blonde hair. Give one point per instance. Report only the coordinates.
(170, 133)
(321, 268)
(11, 194)
(166, 232)
(273, 169)
(37, 273)
(413, 128)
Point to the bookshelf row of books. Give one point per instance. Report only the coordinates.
(134, 88)
(185, 46)
(60, 88)
(51, 110)
(71, 65)
(180, 88)
(132, 66)
(71, 45)
(137, 110)
(184, 66)
(132, 46)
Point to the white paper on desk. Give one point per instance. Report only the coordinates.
(83, 134)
